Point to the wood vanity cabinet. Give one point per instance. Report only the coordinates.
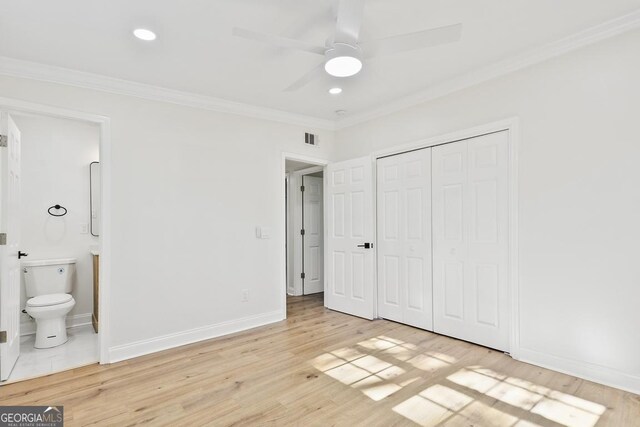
(96, 288)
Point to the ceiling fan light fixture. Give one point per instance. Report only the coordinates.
(343, 60)
(343, 66)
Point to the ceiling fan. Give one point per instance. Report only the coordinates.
(344, 52)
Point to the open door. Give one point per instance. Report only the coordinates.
(312, 224)
(349, 259)
(9, 245)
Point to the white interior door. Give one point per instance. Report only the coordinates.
(470, 240)
(349, 258)
(9, 263)
(404, 238)
(312, 224)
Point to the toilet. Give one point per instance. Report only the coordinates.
(48, 286)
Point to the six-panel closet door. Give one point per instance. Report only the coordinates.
(404, 238)
(470, 240)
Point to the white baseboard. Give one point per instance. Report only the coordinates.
(580, 369)
(165, 342)
(29, 328)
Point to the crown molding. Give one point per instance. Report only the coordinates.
(584, 38)
(48, 73)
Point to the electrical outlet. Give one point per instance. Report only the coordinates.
(245, 295)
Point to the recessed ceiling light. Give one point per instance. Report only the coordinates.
(335, 90)
(144, 34)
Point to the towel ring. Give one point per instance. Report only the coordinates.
(57, 207)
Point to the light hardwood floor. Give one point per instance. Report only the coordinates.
(325, 368)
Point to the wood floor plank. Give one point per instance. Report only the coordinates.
(320, 368)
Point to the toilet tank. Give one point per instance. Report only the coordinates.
(49, 276)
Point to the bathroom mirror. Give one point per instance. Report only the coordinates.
(94, 188)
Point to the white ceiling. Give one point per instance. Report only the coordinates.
(196, 53)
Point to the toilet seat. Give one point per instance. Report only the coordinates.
(49, 300)
(50, 312)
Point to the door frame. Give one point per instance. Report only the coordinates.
(295, 201)
(512, 126)
(104, 123)
(318, 164)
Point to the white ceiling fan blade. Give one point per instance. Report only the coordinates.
(315, 73)
(278, 41)
(412, 41)
(349, 21)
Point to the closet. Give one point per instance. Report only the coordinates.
(442, 233)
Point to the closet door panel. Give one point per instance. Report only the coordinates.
(404, 238)
(470, 240)
(450, 229)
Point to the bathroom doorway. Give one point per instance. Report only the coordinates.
(304, 207)
(51, 238)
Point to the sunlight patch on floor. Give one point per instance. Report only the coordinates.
(441, 405)
(374, 377)
(565, 409)
(422, 411)
(451, 402)
(446, 397)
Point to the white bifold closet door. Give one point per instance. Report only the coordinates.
(404, 238)
(470, 240)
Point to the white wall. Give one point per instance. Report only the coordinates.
(55, 170)
(578, 206)
(183, 218)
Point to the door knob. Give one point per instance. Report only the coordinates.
(22, 254)
(366, 245)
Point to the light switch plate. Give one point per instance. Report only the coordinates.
(263, 232)
(266, 233)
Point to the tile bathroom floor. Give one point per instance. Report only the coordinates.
(80, 350)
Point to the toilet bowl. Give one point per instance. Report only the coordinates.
(48, 286)
(50, 313)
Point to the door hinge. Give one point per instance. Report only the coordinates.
(302, 275)
(4, 141)
(3, 337)
(3, 239)
(302, 188)
(302, 232)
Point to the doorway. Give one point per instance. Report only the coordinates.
(54, 199)
(304, 228)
